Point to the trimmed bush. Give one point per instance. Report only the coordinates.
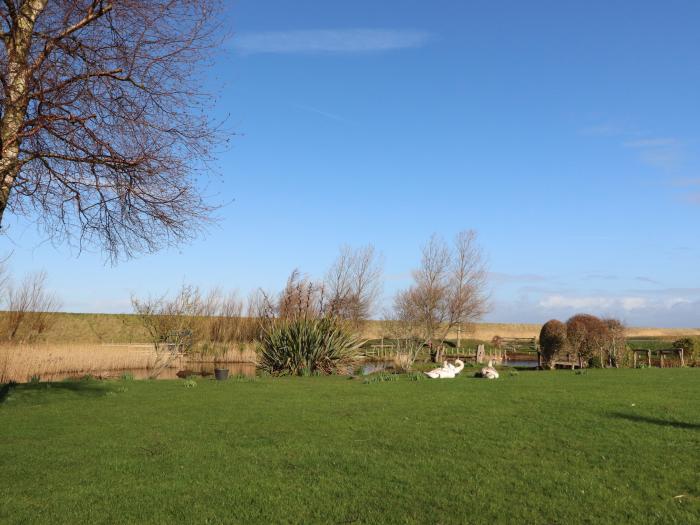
(688, 344)
(552, 340)
(306, 346)
(587, 335)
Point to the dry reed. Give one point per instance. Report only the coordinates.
(21, 362)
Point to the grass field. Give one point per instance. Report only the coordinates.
(606, 446)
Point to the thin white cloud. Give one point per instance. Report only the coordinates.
(501, 278)
(665, 153)
(660, 142)
(593, 303)
(686, 181)
(329, 41)
(644, 279)
(328, 115)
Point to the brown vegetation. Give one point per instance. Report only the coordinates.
(19, 362)
(29, 308)
(192, 322)
(553, 340)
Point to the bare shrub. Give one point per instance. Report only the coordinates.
(449, 288)
(192, 322)
(353, 284)
(170, 323)
(30, 309)
(405, 335)
(616, 347)
(552, 341)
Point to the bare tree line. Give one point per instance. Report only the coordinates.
(448, 289)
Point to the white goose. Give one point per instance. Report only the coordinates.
(489, 372)
(448, 371)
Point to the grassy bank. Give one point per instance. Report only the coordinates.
(607, 446)
(127, 329)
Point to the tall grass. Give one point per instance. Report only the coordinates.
(19, 362)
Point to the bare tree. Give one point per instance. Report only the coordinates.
(4, 280)
(405, 332)
(449, 288)
(616, 343)
(353, 284)
(30, 309)
(103, 120)
(194, 322)
(170, 323)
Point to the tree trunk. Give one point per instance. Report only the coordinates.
(7, 178)
(18, 45)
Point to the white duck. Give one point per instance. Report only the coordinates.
(489, 372)
(448, 371)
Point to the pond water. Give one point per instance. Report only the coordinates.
(521, 364)
(180, 372)
(207, 370)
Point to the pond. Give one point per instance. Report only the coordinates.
(521, 364)
(207, 370)
(179, 372)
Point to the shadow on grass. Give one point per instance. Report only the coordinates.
(5, 391)
(82, 388)
(655, 421)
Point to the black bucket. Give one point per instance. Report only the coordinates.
(221, 374)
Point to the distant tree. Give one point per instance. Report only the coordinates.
(4, 279)
(616, 342)
(171, 323)
(588, 337)
(353, 284)
(449, 288)
(688, 344)
(553, 340)
(103, 122)
(29, 309)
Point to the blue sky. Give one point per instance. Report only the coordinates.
(566, 133)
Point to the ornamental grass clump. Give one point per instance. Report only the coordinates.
(307, 346)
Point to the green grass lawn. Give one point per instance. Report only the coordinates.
(607, 446)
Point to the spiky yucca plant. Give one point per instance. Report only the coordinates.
(306, 346)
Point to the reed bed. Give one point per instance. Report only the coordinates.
(22, 362)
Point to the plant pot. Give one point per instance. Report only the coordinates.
(221, 374)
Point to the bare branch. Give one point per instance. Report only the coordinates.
(448, 290)
(104, 130)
